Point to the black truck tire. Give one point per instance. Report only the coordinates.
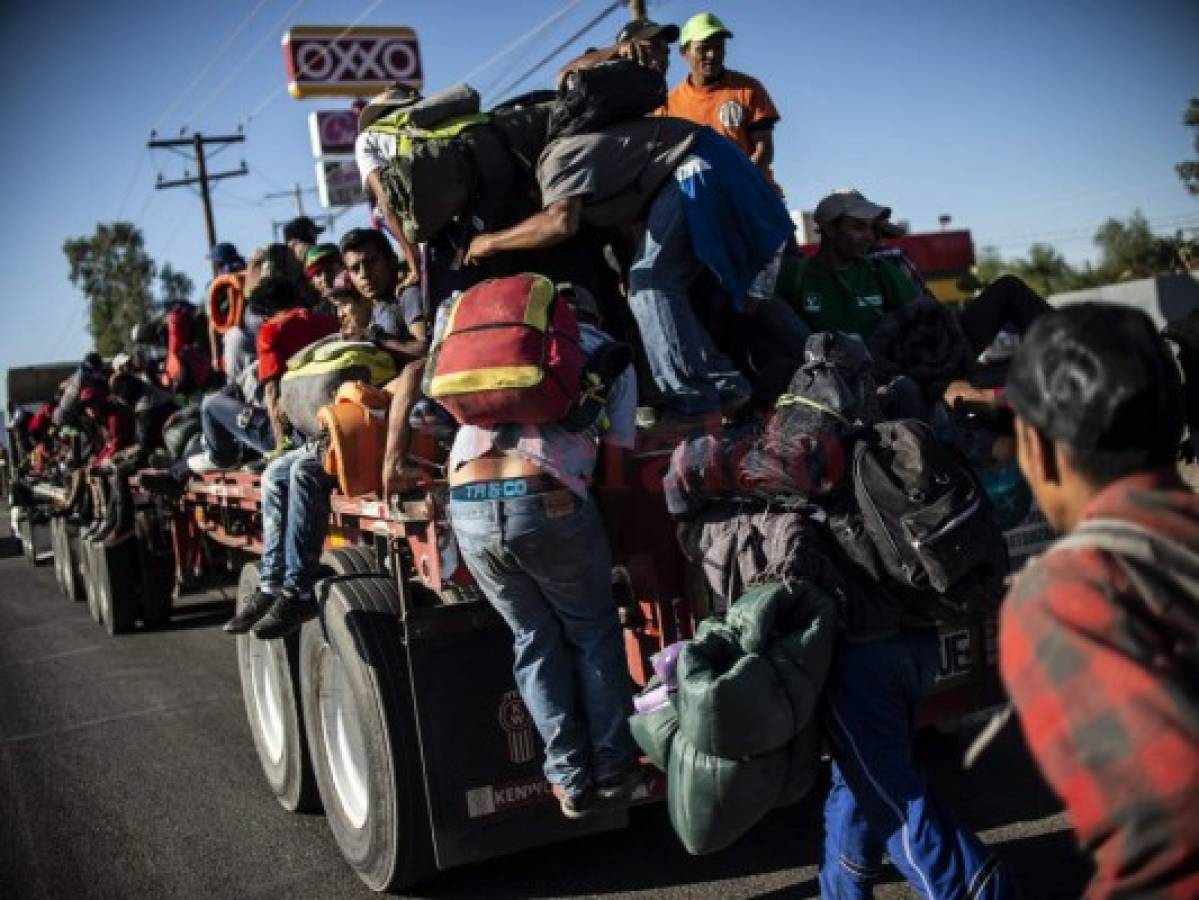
(270, 687)
(350, 561)
(91, 585)
(74, 581)
(156, 571)
(116, 583)
(361, 727)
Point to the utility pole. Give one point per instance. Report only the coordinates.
(636, 9)
(297, 193)
(197, 142)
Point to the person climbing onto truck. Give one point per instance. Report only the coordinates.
(693, 191)
(641, 40)
(1098, 636)
(531, 535)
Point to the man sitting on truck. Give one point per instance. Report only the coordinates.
(295, 510)
(1099, 638)
(541, 558)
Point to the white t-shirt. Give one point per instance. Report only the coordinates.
(372, 151)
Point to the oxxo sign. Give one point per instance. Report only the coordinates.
(327, 61)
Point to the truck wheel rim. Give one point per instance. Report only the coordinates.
(344, 745)
(268, 700)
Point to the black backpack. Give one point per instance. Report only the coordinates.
(589, 99)
(925, 512)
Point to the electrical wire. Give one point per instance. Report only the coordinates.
(212, 61)
(271, 32)
(519, 42)
(533, 69)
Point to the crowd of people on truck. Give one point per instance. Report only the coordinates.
(776, 377)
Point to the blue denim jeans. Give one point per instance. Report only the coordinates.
(228, 423)
(879, 800)
(548, 572)
(295, 520)
(691, 373)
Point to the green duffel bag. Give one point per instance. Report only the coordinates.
(654, 733)
(794, 628)
(730, 703)
(803, 765)
(714, 801)
(315, 373)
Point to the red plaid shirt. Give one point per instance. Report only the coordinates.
(1108, 710)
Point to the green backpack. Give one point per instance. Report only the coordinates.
(315, 373)
(441, 155)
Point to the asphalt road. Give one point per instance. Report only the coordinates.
(127, 770)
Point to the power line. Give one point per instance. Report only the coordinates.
(212, 61)
(236, 70)
(519, 42)
(533, 69)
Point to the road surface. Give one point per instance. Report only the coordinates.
(127, 770)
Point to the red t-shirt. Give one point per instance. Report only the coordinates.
(285, 334)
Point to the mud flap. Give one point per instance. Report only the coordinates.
(486, 793)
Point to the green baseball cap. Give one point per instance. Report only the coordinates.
(319, 254)
(702, 26)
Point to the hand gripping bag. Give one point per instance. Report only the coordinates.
(508, 352)
(356, 425)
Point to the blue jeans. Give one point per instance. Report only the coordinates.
(548, 572)
(295, 520)
(691, 373)
(879, 800)
(229, 423)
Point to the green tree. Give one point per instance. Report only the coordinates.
(1130, 249)
(1046, 271)
(1189, 171)
(114, 272)
(173, 287)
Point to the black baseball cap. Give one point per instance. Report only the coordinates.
(1097, 376)
(647, 30)
(301, 228)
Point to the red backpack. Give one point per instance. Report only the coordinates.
(508, 353)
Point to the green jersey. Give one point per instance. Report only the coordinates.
(852, 299)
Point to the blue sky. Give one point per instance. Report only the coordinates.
(1023, 120)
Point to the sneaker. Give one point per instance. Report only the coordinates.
(575, 804)
(286, 616)
(249, 611)
(618, 787)
(201, 463)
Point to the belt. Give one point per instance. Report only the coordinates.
(505, 488)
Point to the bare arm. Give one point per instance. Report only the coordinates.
(548, 228)
(396, 227)
(405, 389)
(762, 148)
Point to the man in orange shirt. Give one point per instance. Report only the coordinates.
(732, 104)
